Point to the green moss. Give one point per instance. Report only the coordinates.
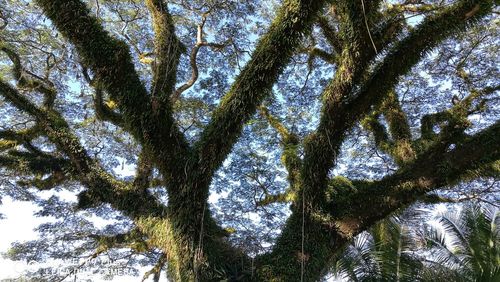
(7, 144)
(339, 187)
(271, 55)
(284, 262)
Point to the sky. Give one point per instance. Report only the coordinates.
(18, 225)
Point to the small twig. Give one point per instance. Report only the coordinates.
(193, 57)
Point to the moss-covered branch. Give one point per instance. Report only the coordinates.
(316, 52)
(412, 8)
(330, 34)
(31, 164)
(352, 206)
(103, 111)
(476, 156)
(150, 122)
(29, 81)
(453, 120)
(255, 81)
(168, 50)
(156, 270)
(18, 100)
(289, 158)
(413, 47)
(399, 146)
(312, 232)
(12, 138)
(396, 117)
(133, 239)
(340, 113)
(101, 186)
(39, 169)
(144, 170)
(322, 146)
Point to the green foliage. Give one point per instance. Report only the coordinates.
(466, 244)
(461, 247)
(91, 90)
(385, 253)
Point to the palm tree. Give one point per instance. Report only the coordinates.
(385, 253)
(465, 246)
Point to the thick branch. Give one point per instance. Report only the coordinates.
(477, 156)
(255, 81)
(133, 239)
(11, 138)
(143, 172)
(17, 100)
(320, 236)
(30, 163)
(149, 122)
(359, 204)
(411, 49)
(396, 117)
(102, 187)
(341, 114)
(168, 50)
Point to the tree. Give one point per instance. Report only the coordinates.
(133, 56)
(466, 248)
(461, 247)
(386, 253)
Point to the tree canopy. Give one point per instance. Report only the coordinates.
(260, 137)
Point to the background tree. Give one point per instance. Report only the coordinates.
(465, 248)
(388, 252)
(193, 93)
(462, 245)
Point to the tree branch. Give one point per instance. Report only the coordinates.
(339, 114)
(330, 34)
(453, 120)
(156, 270)
(103, 111)
(11, 138)
(254, 82)
(289, 158)
(323, 233)
(30, 163)
(143, 173)
(22, 76)
(400, 147)
(357, 205)
(102, 187)
(133, 239)
(168, 50)
(476, 157)
(320, 53)
(192, 59)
